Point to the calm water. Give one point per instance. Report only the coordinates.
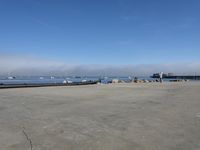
(42, 79)
(48, 79)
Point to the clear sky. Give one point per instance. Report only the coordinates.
(102, 31)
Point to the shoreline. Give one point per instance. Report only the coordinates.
(6, 86)
(25, 85)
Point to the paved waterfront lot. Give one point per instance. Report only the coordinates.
(131, 116)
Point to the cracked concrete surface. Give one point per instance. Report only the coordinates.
(131, 116)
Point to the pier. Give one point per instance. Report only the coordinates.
(171, 76)
(183, 77)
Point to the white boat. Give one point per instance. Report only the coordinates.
(84, 81)
(69, 81)
(66, 81)
(11, 78)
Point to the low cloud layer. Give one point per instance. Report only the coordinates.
(26, 65)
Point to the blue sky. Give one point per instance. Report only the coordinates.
(114, 32)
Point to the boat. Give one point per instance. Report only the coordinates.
(69, 81)
(66, 81)
(11, 78)
(84, 81)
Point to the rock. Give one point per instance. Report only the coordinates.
(145, 81)
(115, 81)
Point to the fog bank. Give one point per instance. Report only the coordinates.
(27, 65)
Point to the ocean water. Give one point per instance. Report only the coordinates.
(39, 79)
(60, 79)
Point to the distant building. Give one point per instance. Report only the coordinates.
(157, 75)
(171, 74)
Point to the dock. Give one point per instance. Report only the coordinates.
(183, 77)
(170, 76)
